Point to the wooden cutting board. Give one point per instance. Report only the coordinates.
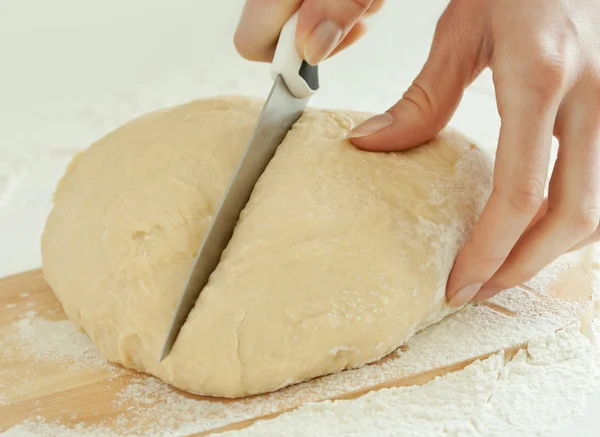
(39, 384)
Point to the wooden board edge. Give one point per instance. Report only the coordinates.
(36, 274)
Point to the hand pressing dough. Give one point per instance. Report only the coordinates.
(339, 257)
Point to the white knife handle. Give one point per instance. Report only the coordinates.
(301, 78)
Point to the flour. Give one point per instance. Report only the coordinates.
(56, 345)
(56, 342)
(538, 390)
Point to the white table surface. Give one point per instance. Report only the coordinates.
(70, 71)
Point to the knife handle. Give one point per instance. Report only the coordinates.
(301, 78)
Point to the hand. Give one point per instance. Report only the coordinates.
(545, 59)
(324, 27)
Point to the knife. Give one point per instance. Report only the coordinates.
(294, 82)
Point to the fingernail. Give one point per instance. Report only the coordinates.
(321, 42)
(372, 125)
(464, 295)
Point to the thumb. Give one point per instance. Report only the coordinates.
(456, 58)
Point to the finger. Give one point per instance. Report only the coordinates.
(356, 33)
(593, 97)
(573, 213)
(594, 238)
(323, 25)
(456, 57)
(522, 161)
(259, 27)
(573, 204)
(358, 30)
(593, 105)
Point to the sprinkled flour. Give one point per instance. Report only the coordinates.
(57, 342)
(538, 390)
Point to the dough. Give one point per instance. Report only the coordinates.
(339, 257)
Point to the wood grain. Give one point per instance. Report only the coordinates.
(58, 392)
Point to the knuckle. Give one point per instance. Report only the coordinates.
(419, 96)
(583, 222)
(442, 23)
(446, 24)
(525, 197)
(547, 72)
(543, 73)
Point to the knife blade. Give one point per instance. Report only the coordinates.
(281, 110)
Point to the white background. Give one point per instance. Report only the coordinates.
(72, 70)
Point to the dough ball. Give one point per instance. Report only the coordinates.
(339, 257)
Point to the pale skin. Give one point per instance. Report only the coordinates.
(545, 60)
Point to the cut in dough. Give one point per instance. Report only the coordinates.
(339, 257)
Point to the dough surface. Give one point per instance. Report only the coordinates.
(339, 257)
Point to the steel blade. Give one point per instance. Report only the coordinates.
(280, 112)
